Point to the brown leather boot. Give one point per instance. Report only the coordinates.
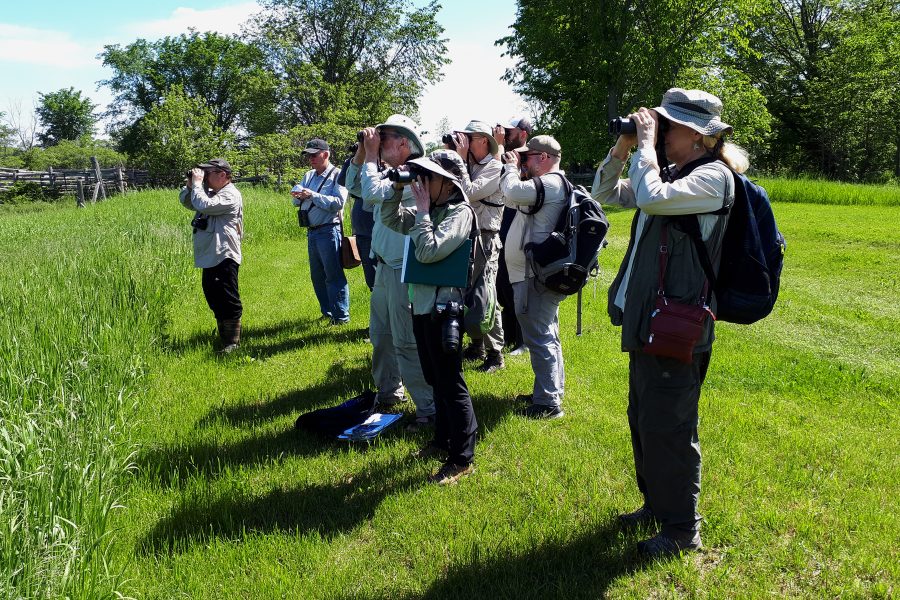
(230, 334)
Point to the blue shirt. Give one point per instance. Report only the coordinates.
(327, 198)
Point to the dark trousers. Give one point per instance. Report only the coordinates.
(663, 395)
(220, 286)
(455, 425)
(512, 332)
(364, 245)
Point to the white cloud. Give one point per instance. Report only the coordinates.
(472, 88)
(43, 47)
(225, 20)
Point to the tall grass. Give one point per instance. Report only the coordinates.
(83, 301)
(821, 191)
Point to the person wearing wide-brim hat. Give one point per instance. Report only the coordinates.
(440, 223)
(396, 368)
(481, 182)
(664, 393)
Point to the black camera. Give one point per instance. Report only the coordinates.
(622, 126)
(450, 314)
(200, 222)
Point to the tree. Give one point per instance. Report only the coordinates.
(65, 115)
(607, 58)
(227, 75)
(180, 132)
(349, 62)
(24, 125)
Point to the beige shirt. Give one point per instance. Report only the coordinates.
(706, 189)
(482, 188)
(529, 228)
(222, 237)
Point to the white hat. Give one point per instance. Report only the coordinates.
(408, 128)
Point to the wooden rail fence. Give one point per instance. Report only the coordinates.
(96, 182)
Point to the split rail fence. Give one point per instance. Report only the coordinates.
(85, 184)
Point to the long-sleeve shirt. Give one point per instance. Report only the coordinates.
(222, 237)
(706, 189)
(482, 188)
(526, 228)
(327, 198)
(366, 182)
(436, 234)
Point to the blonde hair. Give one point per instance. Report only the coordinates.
(731, 154)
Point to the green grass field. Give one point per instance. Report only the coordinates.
(135, 461)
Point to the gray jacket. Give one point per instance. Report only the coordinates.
(222, 237)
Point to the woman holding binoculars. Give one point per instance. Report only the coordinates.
(440, 224)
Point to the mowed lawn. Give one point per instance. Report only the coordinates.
(799, 426)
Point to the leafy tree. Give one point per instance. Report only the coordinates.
(349, 62)
(227, 75)
(180, 132)
(65, 115)
(73, 154)
(606, 59)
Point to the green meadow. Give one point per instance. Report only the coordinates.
(136, 462)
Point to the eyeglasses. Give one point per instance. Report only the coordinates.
(530, 154)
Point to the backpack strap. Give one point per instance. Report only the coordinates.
(690, 224)
(539, 203)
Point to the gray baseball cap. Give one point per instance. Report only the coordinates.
(216, 163)
(542, 143)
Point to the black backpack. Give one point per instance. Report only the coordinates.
(564, 261)
(752, 256)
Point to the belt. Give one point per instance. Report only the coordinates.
(313, 227)
(489, 231)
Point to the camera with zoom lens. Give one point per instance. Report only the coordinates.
(622, 126)
(200, 222)
(450, 314)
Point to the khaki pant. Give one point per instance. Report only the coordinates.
(395, 359)
(493, 340)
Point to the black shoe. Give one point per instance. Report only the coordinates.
(663, 546)
(542, 411)
(642, 517)
(525, 398)
(493, 363)
(474, 352)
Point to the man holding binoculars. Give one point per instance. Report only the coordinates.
(218, 228)
(395, 359)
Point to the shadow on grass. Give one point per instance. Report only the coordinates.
(254, 339)
(583, 566)
(340, 383)
(327, 508)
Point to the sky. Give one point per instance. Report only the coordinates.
(47, 46)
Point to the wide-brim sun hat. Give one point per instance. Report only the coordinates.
(440, 162)
(484, 129)
(696, 109)
(408, 128)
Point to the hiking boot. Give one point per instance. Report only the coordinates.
(493, 363)
(420, 424)
(451, 473)
(229, 334)
(520, 349)
(542, 411)
(430, 451)
(642, 517)
(475, 351)
(663, 546)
